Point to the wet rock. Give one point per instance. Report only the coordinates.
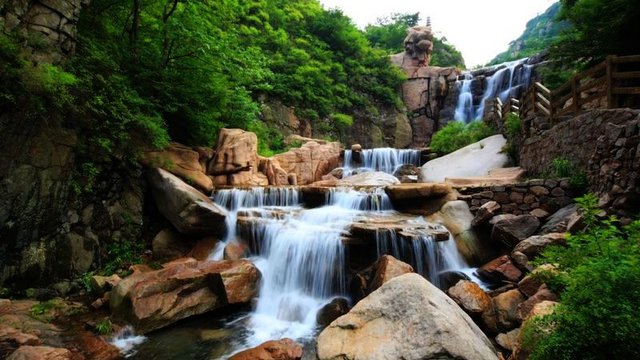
(235, 251)
(188, 210)
(96, 348)
(386, 268)
(449, 278)
(284, 349)
(203, 248)
(534, 245)
(333, 310)
(183, 288)
(500, 269)
(512, 231)
(409, 172)
(471, 298)
(372, 178)
(456, 216)
(405, 318)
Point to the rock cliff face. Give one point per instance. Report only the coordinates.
(427, 87)
(53, 21)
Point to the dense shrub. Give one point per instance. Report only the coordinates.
(599, 270)
(456, 135)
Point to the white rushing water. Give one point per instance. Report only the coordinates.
(380, 159)
(126, 340)
(510, 79)
(428, 257)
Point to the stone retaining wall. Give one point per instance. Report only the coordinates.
(604, 144)
(523, 198)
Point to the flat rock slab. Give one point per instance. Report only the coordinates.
(495, 177)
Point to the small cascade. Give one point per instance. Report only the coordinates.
(236, 199)
(428, 257)
(126, 340)
(300, 253)
(379, 159)
(509, 80)
(375, 199)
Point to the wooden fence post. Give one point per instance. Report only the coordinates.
(609, 83)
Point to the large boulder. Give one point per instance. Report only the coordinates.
(406, 318)
(188, 210)
(284, 349)
(182, 161)
(457, 218)
(236, 160)
(183, 288)
(560, 220)
(372, 178)
(470, 161)
(331, 311)
(511, 231)
(309, 162)
(421, 198)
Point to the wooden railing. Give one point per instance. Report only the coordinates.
(597, 88)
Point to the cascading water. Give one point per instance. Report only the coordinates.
(300, 254)
(510, 78)
(428, 257)
(379, 159)
(256, 197)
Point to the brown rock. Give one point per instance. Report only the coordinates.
(558, 221)
(102, 284)
(235, 251)
(284, 349)
(96, 348)
(506, 307)
(183, 288)
(203, 248)
(501, 217)
(500, 269)
(485, 213)
(416, 191)
(236, 159)
(188, 210)
(311, 161)
(471, 298)
(543, 294)
(521, 261)
(534, 245)
(28, 352)
(169, 245)
(333, 310)
(539, 190)
(512, 231)
(181, 161)
(539, 213)
(276, 175)
(529, 285)
(509, 340)
(386, 268)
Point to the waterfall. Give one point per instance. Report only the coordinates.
(464, 108)
(236, 199)
(428, 257)
(300, 253)
(380, 159)
(509, 80)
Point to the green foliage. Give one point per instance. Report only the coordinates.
(456, 135)
(122, 254)
(540, 33)
(564, 168)
(85, 279)
(104, 327)
(342, 120)
(270, 140)
(599, 270)
(44, 310)
(512, 125)
(445, 54)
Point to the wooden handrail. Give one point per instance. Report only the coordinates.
(603, 81)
